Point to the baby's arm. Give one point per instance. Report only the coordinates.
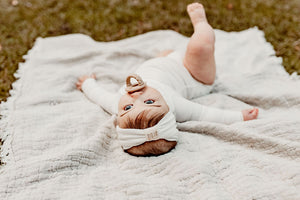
(101, 97)
(188, 110)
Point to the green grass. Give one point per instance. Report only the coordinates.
(107, 20)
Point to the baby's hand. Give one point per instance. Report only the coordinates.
(82, 79)
(250, 114)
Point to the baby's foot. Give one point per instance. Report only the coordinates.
(250, 114)
(196, 13)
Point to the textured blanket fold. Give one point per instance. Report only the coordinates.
(59, 145)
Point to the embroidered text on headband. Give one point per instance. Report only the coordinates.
(164, 129)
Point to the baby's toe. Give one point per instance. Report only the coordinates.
(193, 6)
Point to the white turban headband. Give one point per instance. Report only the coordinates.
(166, 128)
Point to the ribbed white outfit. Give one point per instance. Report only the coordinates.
(176, 85)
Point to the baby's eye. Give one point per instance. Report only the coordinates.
(149, 101)
(128, 107)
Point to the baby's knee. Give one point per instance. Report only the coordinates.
(209, 79)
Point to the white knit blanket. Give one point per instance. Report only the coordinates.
(59, 145)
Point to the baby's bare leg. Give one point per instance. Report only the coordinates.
(199, 57)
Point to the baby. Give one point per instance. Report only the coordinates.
(147, 110)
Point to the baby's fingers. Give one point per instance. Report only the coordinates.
(254, 113)
(78, 85)
(83, 78)
(250, 114)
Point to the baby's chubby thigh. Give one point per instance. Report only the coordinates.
(183, 82)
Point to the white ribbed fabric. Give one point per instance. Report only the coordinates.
(59, 145)
(164, 129)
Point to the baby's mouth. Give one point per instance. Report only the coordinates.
(140, 91)
(133, 92)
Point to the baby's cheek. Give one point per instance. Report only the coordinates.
(121, 122)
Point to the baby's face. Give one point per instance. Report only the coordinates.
(130, 105)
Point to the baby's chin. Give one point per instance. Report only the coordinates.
(121, 122)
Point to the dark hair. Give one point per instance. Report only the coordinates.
(151, 148)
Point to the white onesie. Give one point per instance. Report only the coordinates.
(178, 87)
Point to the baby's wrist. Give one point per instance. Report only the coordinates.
(243, 116)
(88, 83)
